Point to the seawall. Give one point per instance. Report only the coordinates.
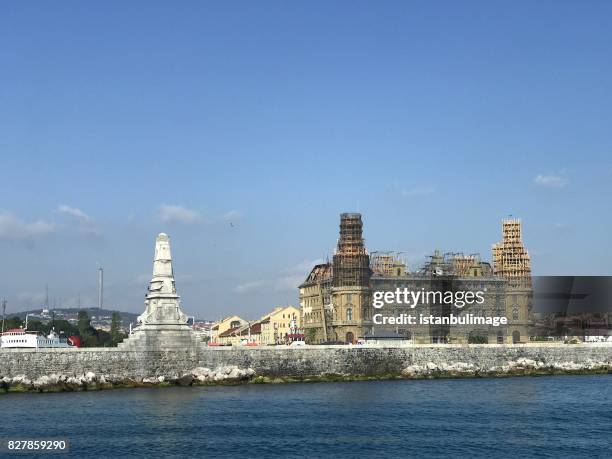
(112, 366)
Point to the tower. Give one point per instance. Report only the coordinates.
(510, 257)
(351, 261)
(351, 294)
(512, 262)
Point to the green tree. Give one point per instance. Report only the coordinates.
(66, 328)
(92, 341)
(13, 322)
(37, 325)
(311, 334)
(115, 330)
(84, 324)
(477, 339)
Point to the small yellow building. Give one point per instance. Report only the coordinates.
(281, 325)
(247, 334)
(224, 325)
(278, 325)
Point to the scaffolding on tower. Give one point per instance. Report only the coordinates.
(351, 261)
(510, 257)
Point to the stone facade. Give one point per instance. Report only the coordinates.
(300, 362)
(315, 303)
(450, 273)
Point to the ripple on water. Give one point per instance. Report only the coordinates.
(518, 417)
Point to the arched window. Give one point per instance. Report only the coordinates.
(500, 337)
(349, 314)
(516, 336)
(515, 312)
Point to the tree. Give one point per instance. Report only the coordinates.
(115, 330)
(311, 334)
(84, 324)
(91, 341)
(65, 328)
(477, 339)
(12, 322)
(37, 325)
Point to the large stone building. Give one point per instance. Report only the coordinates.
(336, 298)
(450, 272)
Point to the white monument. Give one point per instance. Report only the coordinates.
(163, 325)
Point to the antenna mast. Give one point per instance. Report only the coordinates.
(100, 286)
(3, 312)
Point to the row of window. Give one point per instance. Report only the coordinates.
(317, 316)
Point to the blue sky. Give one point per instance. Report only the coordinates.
(244, 128)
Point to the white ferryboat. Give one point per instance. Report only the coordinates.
(21, 338)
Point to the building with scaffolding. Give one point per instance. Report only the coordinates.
(510, 257)
(350, 292)
(511, 261)
(449, 272)
(388, 264)
(336, 298)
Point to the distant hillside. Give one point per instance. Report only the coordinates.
(99, 317)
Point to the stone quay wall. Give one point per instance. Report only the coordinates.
(308, 361)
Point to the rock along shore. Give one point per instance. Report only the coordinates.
(54, 370)
(91, 381)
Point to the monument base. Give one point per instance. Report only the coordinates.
(161, 338)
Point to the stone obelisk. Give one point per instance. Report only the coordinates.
(163, 325)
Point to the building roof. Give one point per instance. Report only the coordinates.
(319, 272)
(215, 325)
(229, 332)
(255, 329)
(242, 330)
